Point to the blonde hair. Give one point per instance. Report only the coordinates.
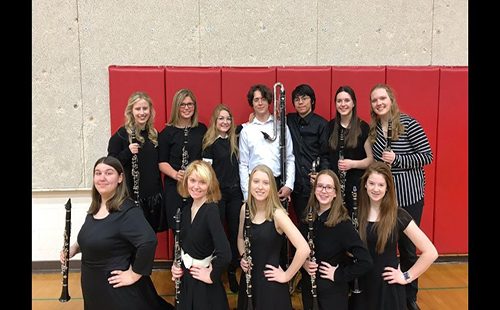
(131, 126)
(207, 174)
(386, 224)
(212, 134)
(338, 212)
(273, 201)
(179, 96)
(397, 127)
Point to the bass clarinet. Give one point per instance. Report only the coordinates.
(310, 241)
(282, 148)
(355, 223)
(282, 142)
(65, 267)
(177, 254)
(248, 257)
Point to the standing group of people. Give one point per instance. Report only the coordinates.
(357, 191)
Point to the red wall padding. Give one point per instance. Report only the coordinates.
(123, 81)
(423, 92)
(319, 78)
(417, 93)
(361, 79)
(451, 211)
(204, 82)
(235, 85)
(206, 85)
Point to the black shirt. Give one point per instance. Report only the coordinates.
(225, 165)
(310, 138)
(149, 173)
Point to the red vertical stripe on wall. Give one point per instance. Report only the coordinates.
(361, 79)
(435, 96)
(124, 80)
(451, 215)
(319, 78)
(205, 82)
(235, 85)
(417, 94)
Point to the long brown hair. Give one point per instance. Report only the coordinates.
(130, 124)
(386, 225)
(212, 134)
(338, 212)
(273, 201)
(121, 192)
(207, 174)
(397, 127)
(353, 129)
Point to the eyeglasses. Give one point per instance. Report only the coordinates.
(187, 105)
(327, 188)
(222, 118)
(300, 98)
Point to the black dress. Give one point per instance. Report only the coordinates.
(121, 239)
(266, 244)
(331, 245)
(379, 294)
(170, 142)
(226, 168)
(353, 176)
(150, 187)
(203, 237)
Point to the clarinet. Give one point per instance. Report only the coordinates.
(177, 254)
(135, 171)
(65, 267)
(342, 173)
(355, 223)
(310, 241)
(185, 154)
(177, 217)
(248, 257)
(283, 176)
(388, 142)
(185, 158)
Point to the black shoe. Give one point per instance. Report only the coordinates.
(233, 284)
(412, 305)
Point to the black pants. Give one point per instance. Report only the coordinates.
(299, 201)
(408, 251)
(229, 208)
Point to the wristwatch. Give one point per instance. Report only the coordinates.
(406, 276)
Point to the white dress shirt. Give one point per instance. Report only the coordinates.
(255, 150)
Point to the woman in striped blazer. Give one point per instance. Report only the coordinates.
(400, 141)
